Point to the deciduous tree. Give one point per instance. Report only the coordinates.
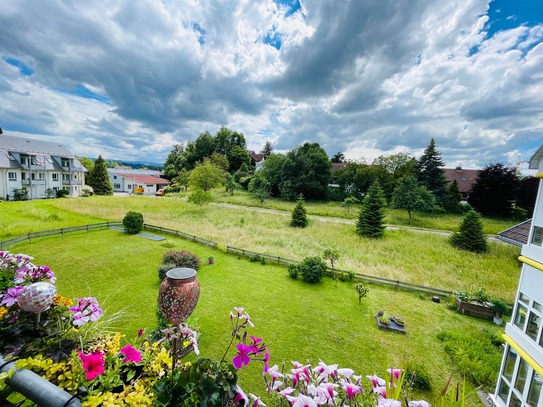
(206, 175)
(410, 196)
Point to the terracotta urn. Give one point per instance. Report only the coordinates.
(37, 297)
(178, 294)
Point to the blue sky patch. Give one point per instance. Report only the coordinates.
(507, 14)
(86, 93)
(202, 33)
(23, 69)
(292, 6)
(274, 39)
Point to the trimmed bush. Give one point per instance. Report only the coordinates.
(133, 222)
(293, 271)
(181, 258)
(164, 268)
(62, 193)
(312, 269)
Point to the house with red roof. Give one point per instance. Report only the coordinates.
(465, 179)
(143, 182)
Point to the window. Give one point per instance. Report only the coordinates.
(520, 318)
(55, 189)
(521, 376)
(33, 161)
(41, 175)
(534, 323)
(54, 176)
(510, 364)
(23, 176)
(24, 160)
(65, 177)
(535, 390)
(12, 176)
(529, 318)
(114, 177)
(65, 162)
(463, 178)
(33, 176)
(537, 236)
(129, 186)
(117, 186)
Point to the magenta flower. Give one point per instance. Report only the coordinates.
(304, 401)
(85, 310)
(140, 332)
(376, 381)
(240, 395)
(242, 358)
(131, 354)
(395, 372)
(92, 364)
(12, 296)
(351, 389)
(266, 362)
(256, 401)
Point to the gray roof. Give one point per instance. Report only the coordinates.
(518, 234)
(27, 145)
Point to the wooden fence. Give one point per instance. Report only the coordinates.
(358, 276)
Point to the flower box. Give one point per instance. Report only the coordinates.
(475, 310)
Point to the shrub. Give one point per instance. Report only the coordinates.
(470, 236)
(312, 269)
(181, 258)
(133, 222)
(62, 193)
(172, 188)
(362, 291)
(50, 193)
(256, 258)
(87, 190)
(20, 194)
(164, 268)
(293, 271)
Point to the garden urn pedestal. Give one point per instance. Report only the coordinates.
(178, 294)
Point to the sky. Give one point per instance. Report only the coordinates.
(129, 79)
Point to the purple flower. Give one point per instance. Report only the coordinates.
(12, 296)
(395, 372)
(242, 358)
(304, 401)
(131, 354)
(351, 389)
(384, 402)
(85, 310)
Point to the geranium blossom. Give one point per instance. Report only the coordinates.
(85, 310)
(12, 296)
(32, 274)
(242, 358)
(93, 364)
(131, 354)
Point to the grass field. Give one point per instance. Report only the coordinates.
(298, 321)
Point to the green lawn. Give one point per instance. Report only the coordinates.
(298, 321)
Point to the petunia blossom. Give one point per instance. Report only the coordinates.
(384, 402)
(351, 389)
(395, 372)
(12, 296)
(131, 354)
(93, 364)
(304, 401)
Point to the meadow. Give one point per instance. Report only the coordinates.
(298, 321)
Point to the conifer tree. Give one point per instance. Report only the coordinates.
(371, 217)
(470, 235)
(299, 215)
(454, 197)
(430, 173)
(99, 179)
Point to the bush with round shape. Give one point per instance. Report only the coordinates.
(133, 222)
(62, 193)
(181, 258)
(293, 271)
(312, 269)
(164, 268)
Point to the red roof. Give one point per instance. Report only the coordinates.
(256, 156)
(338, 166)
(145, 179)
(465, 178)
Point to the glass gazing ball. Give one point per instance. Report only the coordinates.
(37, 297)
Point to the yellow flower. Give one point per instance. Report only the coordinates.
(62, 301)
(3, 311)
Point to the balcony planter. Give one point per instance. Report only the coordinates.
(482, 311)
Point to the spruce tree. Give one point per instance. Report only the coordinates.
(299, 216)
(470, 235)
(454, 197)
(99, 179)
(430, 173)
(371, 218)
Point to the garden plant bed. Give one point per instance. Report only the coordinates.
(475, 310)
(391, 326)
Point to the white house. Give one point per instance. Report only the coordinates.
(145, 182)
(40, 167)
(520, 383)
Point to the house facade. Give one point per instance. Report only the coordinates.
(465, 178)
(40, 167)
(520, 382)
(143, 182)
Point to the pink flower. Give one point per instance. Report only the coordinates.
(242, 357)
(140, 332)
(395, 372)
(240, 395)
(376, 381)
(384, 402)
(131, 354)
(304, 401)
(351, 389)
(92, 364)
(12, 296)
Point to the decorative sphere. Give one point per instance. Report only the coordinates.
(37, 297)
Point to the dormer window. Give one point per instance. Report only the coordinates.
(537, 236)
(65, 162)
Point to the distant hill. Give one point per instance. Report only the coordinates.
(132, 164)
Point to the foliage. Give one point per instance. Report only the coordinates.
(430, 173)
(394, 163)
(293, 270)
(478, 297)
(358, 178)
(181, 258)
(338, 157)
(454, 197)
(20, 194)
(299, 217)
(219, 160)
(175, 161)
(412, 197)
(86, 190)
(164, 268)
(306, 170)
(417, 378)
(267, 150)
(182, 179)
(51, 193)
(362, 291)
(527, 193)
(470, 236)
(478, 357)
(206, 175)
(272, 171)
(260, 186)
(200, 198)
(372, 215)
(133, 222)
(331, 255)
(350, 201)
(494, 191)
(99, 178)
(230, 184)
(62, 193)
(312, 269)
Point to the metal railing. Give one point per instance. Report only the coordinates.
(358, 276)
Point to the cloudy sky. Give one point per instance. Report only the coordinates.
(128, 79)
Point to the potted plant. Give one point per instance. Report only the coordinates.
(500, 308)
(398, 320)
(211, 260)
(383, 319)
